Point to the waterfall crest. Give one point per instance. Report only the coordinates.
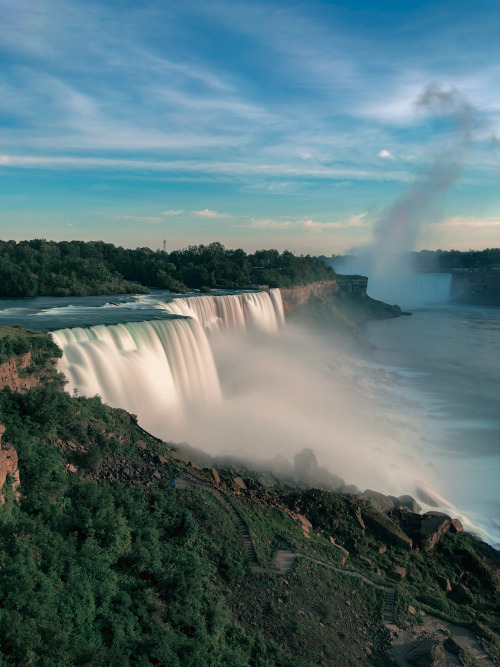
(156, 369)
(232, 312)
(161, 369)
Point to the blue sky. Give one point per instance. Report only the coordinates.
(259, 124)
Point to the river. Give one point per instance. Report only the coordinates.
(448, 357)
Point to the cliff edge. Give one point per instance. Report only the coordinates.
(342, 303)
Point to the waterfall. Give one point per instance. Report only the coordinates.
(411, 289)
(157, 370)
(434, 287)
(162, 369)
(234, 312)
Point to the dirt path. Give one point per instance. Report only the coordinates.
(284, 559)
(433, 628)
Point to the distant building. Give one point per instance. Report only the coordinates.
(164, 246)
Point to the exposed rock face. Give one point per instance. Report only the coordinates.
(305, 466)
(434, 526)
(8, 466)
(238, 484)
(387, 530)
(384, 503)
(297, 296)
(456, 526)
(352, 284)
(408, 502)
(9, 376)
(399, 573)
(381, 502)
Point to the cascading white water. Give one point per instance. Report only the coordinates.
(161, 369)
(411, 289)
(232, 312)
(434, 287)
(156, 369)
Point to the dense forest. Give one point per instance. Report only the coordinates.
(78, 268)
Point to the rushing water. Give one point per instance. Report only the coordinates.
(448, 357)
(421, 417)
(162, 370)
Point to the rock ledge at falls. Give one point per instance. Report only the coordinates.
(298, 296)
(342, 303)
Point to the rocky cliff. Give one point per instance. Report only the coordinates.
(480, 287)
(301, 294)
(27, 359)
(13, 373)
(8, 466)
(342, 303)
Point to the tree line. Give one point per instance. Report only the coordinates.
(78, 268)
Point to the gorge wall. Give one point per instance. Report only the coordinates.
(13, 374)
(293, 297)
(476, 286)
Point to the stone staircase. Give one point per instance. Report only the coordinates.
(284, 559)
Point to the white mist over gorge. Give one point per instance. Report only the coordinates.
(227, 375)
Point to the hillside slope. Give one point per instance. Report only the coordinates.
(119, 551)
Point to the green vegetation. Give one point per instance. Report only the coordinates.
(78, 268)
(105, 561)
(441, 260)
(16, 341)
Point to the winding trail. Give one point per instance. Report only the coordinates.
(284, 559)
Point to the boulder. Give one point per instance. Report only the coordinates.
(408, 503)
(432, 529)
(360, 519)
(306, 524)
(456, 526)
(426, 653)
(238, 484)
(398, 573)
(444, 583)
(379, 501)
(141, 444)
(386, 529)
(305, 466)
(338, 546)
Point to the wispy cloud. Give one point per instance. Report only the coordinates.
(308, 224)
(467, 222)
(207, 213)
(140, 93)
(140, 218)
(232, 169)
